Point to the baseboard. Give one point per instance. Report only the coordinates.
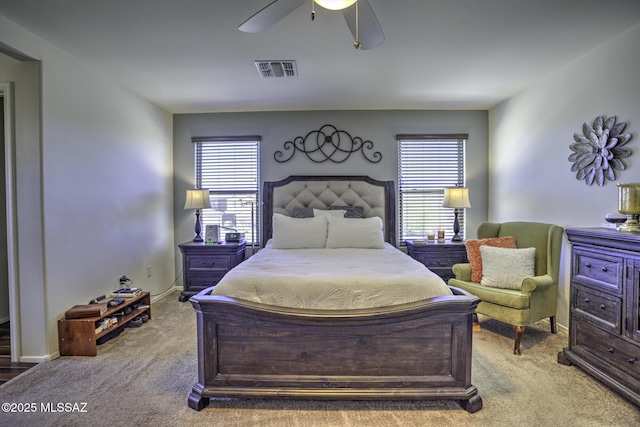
(39, 359)
(561, 328)
(166, 293)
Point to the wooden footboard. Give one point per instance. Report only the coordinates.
(419, 350)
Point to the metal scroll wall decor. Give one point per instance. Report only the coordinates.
(328, 143)
(599, 150)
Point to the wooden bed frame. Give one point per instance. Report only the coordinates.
(419, 350)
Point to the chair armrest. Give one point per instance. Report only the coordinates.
(530, 284)
(462, 271)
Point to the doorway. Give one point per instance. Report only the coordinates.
(8, 270)
(5, 332)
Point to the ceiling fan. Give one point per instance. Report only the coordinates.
(359, 15)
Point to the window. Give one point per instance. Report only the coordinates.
(229, 167)
(427, 164)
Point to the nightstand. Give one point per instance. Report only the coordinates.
(439, 257)
(204, 265)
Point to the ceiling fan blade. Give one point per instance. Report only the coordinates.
(369, 29)
(269, 15)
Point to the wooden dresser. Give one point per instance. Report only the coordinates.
(438, 257)
(204, 265)
(604, 324)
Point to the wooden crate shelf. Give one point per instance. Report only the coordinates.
(77, 337)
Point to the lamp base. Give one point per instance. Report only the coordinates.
(198, 227)
(456, 238)
(456, 227)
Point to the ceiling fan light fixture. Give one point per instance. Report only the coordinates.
(335, 4)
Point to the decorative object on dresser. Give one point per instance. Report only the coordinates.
(204, 265)
(598, 151)
(79, 336)
(604, 317)
(513, 297)
(328, 143)
(456, 198)
(197, 199)
(438, 257)
(629, 204)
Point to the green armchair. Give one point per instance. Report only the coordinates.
(538, 297)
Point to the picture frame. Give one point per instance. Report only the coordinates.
(211, 236)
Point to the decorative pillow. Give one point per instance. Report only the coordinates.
(365, 233)
(475, 258)
(338, 213)
(302, 212)
(299, 233)
(351, 211)
(506, 268)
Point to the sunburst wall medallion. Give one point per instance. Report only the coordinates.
(599, 150)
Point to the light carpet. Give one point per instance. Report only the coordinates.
(143, 378)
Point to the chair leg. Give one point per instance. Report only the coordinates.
(516, 346)
(554, 327)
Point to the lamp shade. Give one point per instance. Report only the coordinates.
(456, 197)
(197, 199)
(335, 4)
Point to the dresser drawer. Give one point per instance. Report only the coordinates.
(197, 262)
(445, 273)
(598, 307)
(200, 281)
(614, 351)
(598, 269)
(432, 255)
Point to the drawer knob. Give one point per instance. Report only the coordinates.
(631, 360)
(602, 306)
(588, 265)
(610, 350)
(587, 300)
(605, 269)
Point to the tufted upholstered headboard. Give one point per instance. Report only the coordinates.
(376, 197)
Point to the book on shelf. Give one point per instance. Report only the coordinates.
(126, 292)
(85, 310)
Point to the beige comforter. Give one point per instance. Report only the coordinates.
(331, 279)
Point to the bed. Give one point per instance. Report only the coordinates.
(416, 348)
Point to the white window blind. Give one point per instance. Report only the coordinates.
(229, 167)
(427, 165)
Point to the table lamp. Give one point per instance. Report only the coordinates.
(629, 204)
(457, 198)
(197, 199)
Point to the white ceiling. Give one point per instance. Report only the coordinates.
(189, 56)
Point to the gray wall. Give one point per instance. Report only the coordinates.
(531, 176)
(93, 187)
(381, 127)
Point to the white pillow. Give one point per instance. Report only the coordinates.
(363, 233)
(329, 212)
(299, 233)
(506, 267)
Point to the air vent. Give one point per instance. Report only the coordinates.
(269, 69)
